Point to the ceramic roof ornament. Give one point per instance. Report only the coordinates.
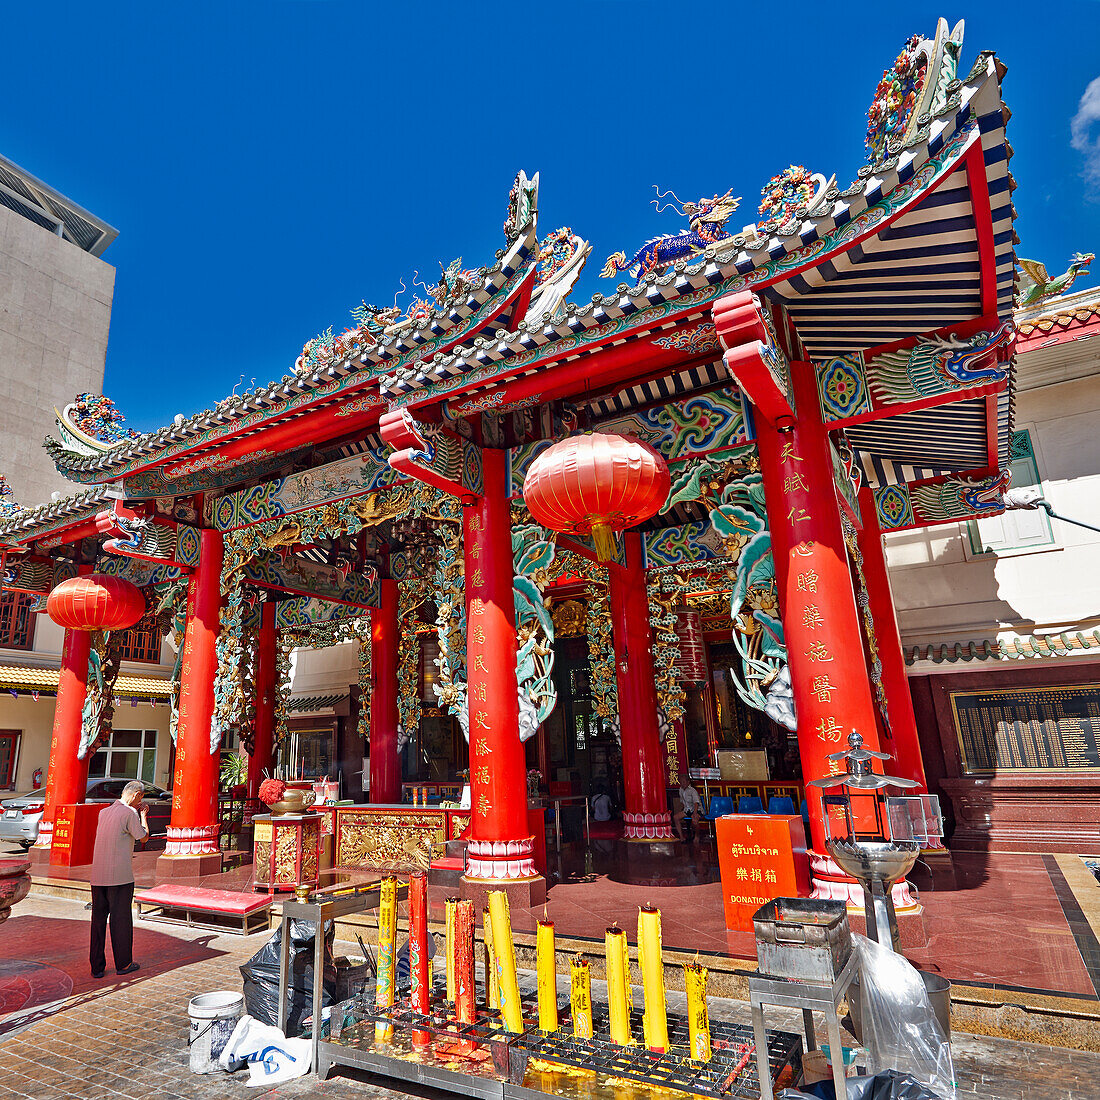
(706, 226)
(91, 424)
(913, 89)
(1035, 284)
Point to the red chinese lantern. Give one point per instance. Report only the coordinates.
(596, 485)
(96, 602)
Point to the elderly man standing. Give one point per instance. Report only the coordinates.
(120, 825)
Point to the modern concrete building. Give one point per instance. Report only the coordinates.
(1000, 617)
(55, 313)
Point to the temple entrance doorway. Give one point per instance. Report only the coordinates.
(575, 750)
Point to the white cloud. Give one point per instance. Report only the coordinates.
(1082, 135)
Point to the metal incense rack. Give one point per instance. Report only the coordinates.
(874, 838)
(534, 1063)
(503, 1042)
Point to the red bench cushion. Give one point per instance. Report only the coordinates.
(199, 897)
(448, 863)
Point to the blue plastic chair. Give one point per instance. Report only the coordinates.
(806, 814)
(750, 804)
(781, 804)
(720, 805)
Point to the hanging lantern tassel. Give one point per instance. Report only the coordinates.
(580, 997)
(492, 986)
(618, 985)
(450, 948)
(655, 1019)
(547, 976)
(695, 983)
(510, 1010)
(465, 1006)
(387, 934)
(419, 974)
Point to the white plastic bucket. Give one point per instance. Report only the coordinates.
(213, 1017)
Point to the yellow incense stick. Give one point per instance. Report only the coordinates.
(492, 986)
(655, 1019)
(450, 948)
(510, 1010)
(695, 983)
(618, 985)
(580, 997)
(546, 969)
(387, 934)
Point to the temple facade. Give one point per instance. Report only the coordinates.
(504, 535)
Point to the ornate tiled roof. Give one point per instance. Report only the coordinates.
(748, 261)
(254, 410)
(54, 513)
(1030, 647)
(409, 367)
(31, 678)
(1060, 313)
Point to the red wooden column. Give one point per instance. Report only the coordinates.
(646, 809)
(192, 845)
(500, 841)
(262, 756)
(385, 764)
(67, 777)
(899, 701)
(832, 690)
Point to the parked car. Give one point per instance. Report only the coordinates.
(20, 817)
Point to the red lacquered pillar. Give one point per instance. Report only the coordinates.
(500, 844)
(899, 701)
(645, 812)
(262, 756)
(832, 690)
(193, 830)
(67, 777)
(385, 764)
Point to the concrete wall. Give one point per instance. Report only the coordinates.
(55, 312)
(945, 592)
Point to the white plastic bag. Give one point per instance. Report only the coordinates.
(271, 1057)
(899, 1025)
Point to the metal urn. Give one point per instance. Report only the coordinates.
(876, 839)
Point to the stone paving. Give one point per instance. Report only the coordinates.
(63, 1034)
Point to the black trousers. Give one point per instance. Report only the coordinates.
(114, 903)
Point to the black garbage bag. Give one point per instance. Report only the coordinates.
(261, 976)
(888, 1085)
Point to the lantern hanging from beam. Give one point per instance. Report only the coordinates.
(596, 485)
(96, 602)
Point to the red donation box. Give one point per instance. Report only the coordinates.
(74, 834)
(760, 857)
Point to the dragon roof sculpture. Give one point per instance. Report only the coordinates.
(706, 226)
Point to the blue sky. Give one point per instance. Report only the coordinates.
(268, 165)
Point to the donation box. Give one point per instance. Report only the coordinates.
(74, 834)
(760, 857)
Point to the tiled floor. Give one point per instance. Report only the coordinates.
(992, 919)
(64, 1035)
(1005, 920)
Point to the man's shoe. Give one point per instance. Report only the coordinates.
(98, 973)
(129, 969)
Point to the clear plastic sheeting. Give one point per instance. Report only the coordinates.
(900, 1030)
(883, 1086)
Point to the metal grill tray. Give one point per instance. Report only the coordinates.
(673, 1069)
